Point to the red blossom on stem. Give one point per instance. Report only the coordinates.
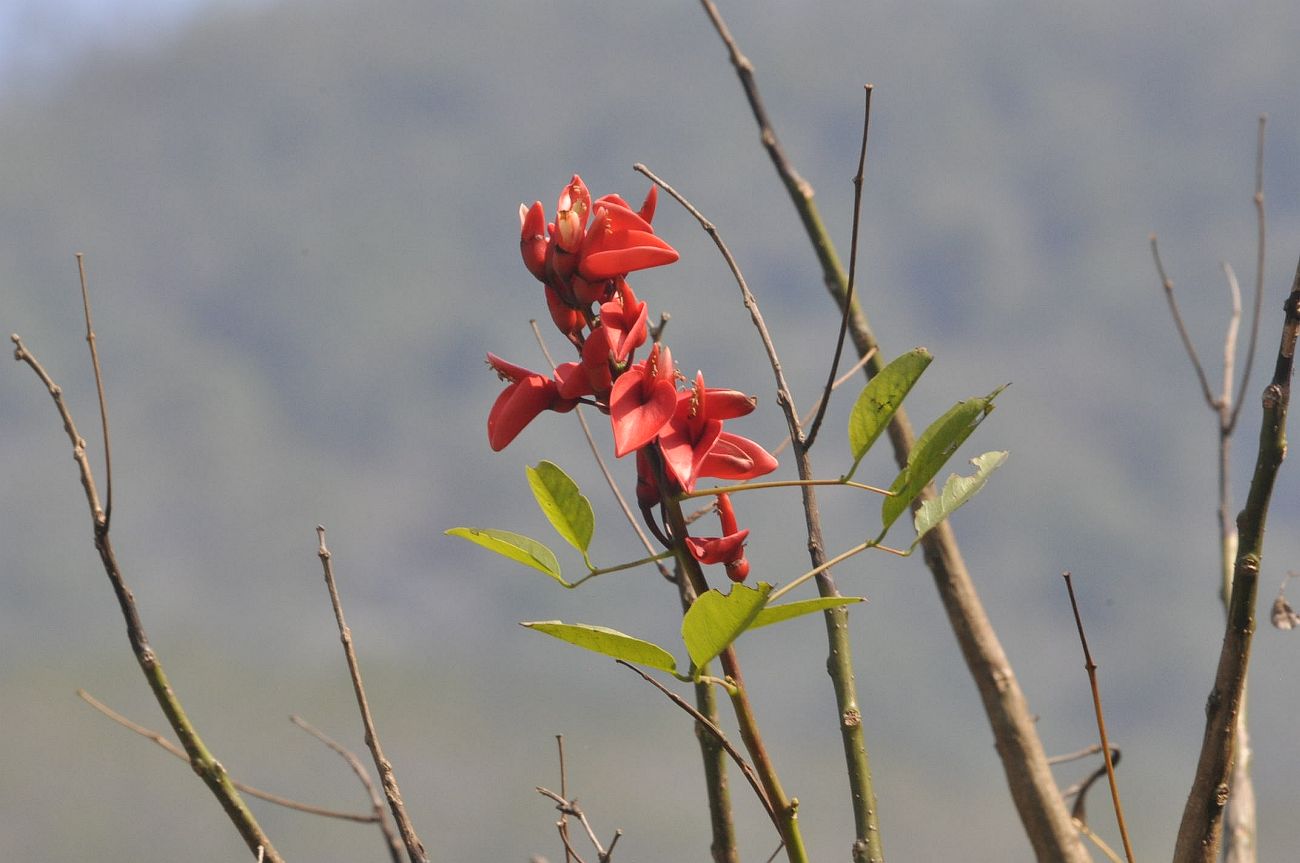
(582, 259)
(528, 394)
(728, 549)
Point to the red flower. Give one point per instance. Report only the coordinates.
(620, 241)
(694, 445)
(624, 321)
(728, 549)
(642, 401)
(528, 395)
(532, 238)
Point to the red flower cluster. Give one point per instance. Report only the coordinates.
(582, 259)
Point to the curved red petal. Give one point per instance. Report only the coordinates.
(685, 454)
(638, 410)
(516, 407)
(608, 255)
(736, 457)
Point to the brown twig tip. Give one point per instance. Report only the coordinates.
(1101, 720)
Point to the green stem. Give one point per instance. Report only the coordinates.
(605, 570)
(785, 809)
(717, 788)
(779, 483)
(724, 848)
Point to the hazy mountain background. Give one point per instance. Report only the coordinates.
(300, 226)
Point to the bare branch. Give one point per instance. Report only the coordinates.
(713, 729)
(1168, 285)
(201, 759)
(172, 749)
(1101, 722)
(414, 847)
(99, 389)
(853, 269)
(1261, 233)
(376, 799)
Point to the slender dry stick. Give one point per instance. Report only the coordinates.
(391, 841)
(564, 778)
(201, 759)
(1101, 720)
(858, 178)
(1038, 801)
(867, 844)
(839, 382)
(172, 749)
(570, 807)
(99, 391)
(712, 728)
(1201, 830)
(414, 847)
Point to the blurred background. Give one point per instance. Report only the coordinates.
(299, 222)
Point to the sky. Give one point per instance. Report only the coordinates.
(40, 38)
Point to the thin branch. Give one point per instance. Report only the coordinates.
(783, 395)
(201, 759)
(570, 807)
(839, 382)
(1101, 721)
(1091, 749)
(99, 390)
(414, 848)
(1167, 284)
(172, 749)
(853, 268)
(564, 779)
(1097, 840)
(363, 776)
(1230, 340)
(1261, 234)
(713, 729)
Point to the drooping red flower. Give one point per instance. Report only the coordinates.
(528, 394)
(728, 549)
(642, 401)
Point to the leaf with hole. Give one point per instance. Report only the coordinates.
(932, 450)
(880, 399)
(563, 504)
(956, 491)
(610, 642)
(514, 546)
(715, 620)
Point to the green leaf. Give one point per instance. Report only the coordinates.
(714, 620)
(518, 548)
(880, 398)
(777, 613)
(956, 491)
(563, 504)
(932, 450)
(610, 642)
